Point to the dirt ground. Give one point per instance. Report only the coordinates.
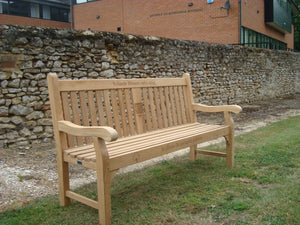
(30, 172)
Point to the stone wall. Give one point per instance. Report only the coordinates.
(221, 74)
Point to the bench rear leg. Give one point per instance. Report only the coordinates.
(193, 152)
(229, 150)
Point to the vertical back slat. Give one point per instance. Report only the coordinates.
(84, 113)
(115, 111)
(99, 104)
(168, 106)
(152, 108)
(189, 97)
(138, 110)
(123, 113)
(108, 108)
(157, 106)
(163, 106)
(92, 108)
(129, 112)
(76, 116)
(172, 100)
(67, 115)
(186, 104)
(183, 110)
(178, 108)
(146, 107)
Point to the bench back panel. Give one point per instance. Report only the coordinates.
(132, 106)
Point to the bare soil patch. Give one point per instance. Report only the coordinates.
(30, 172)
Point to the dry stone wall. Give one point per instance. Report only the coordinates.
(221, 74)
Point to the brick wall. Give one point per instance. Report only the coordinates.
(97, 16)
(168, 18)
(221, 74)
(176, 19)
(28, 21)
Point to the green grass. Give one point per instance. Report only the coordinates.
(263, 188)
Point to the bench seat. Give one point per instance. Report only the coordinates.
(134, 149)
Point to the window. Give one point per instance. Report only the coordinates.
(42, 10)
(46, 12)
(19, 8)
(3, 7)
(252, 38)
(35, 10)
(59, 14)
(278, 14)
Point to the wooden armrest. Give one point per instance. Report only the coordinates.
(104, 132)
(221, 108)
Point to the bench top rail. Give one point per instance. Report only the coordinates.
(102, 84)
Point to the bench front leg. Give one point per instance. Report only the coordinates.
(103, 181)
(229, 140)
(63, 171)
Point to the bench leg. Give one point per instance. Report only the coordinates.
(229, 150)
(193, 152)
(229, 140)
(63, 183)
(103, 182)
(104, 200)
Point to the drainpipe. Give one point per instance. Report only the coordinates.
(71, 14)
(240, 22)
(123, 16)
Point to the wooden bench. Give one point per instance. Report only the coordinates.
(105, 125)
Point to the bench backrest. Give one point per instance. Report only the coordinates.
(131, 106)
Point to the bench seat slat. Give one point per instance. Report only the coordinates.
(85, 156)
(156, 140)
(137, 138)
(140, 155)
(149, 137)
(77, 149)
(83, 152)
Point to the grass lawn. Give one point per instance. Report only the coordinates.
(263, 188)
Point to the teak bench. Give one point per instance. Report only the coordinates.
(105, 125)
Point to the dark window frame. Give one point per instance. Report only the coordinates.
(74, 2)
(260, 40)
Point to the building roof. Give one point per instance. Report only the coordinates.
(60, 2)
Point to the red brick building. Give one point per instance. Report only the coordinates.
(47, 13)
(257, 23)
